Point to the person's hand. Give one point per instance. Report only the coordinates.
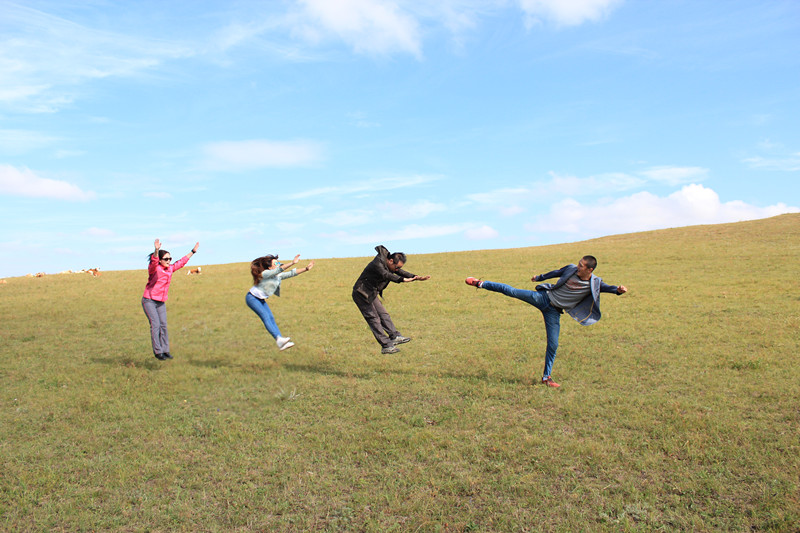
(534, 278)
(309, 266)
(157, 245)
(194, 250)
(422, 278)
(296, 259)
(622, 289)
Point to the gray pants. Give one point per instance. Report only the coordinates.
(157, 315)
(378, 320)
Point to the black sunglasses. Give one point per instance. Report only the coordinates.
(166, 259)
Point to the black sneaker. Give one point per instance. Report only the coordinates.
(160, 356)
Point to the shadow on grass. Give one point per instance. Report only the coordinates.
(481, 376)
(211, 363)
(130, 362)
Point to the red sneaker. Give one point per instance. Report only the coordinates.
(549, 382)
(475, 282)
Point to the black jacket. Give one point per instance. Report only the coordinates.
(376, 276)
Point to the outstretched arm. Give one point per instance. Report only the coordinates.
(549, 275)
(417, 278)
(180, 263)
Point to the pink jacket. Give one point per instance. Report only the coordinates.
(158, 284)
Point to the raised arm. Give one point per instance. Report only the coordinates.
(185, 259)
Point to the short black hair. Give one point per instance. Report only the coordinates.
(590, 261)
(397, 257)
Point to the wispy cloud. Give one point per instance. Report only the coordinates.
(22, 141)
(481, 233)
(671, 175)
(622, 181)
(99, 233)
(413, 211)
(787, 163)
(410, 232)
(158, 195)
(235, 156)
(384, 27)
(25, 182)
(351, 217)
(45, 58)
(499, 196)
(365, 187)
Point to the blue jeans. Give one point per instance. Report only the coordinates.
(261, 308)
(541, 301)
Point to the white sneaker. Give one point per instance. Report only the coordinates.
(284, 343)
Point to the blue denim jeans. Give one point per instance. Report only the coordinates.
(541, 301)
(263, 311)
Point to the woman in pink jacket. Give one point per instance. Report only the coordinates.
(155, 296)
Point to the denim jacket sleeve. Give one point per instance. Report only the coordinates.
(563, 274)
(552, 274)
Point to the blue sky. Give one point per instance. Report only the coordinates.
(325, 127)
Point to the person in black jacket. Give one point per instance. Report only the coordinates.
(376, 276)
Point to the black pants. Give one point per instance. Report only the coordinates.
(378, 320)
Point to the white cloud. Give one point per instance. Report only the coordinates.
(368, 26)
(509, 201)
(235, 156)
(691, 205)
(480, 233)
(566, 12)
(380, 27)
(25, 182)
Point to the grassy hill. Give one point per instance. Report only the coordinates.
(678, 411)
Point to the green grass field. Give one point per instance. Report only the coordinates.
(680, 410)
